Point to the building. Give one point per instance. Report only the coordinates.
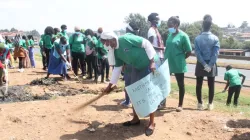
(11, 35)
(243, 37)
(235, 52)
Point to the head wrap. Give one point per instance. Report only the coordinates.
(77, 28)
(108, 35)
(132, 27)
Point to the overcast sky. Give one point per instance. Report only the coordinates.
(109, 14)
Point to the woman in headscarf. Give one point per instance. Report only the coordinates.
(207, 47)
(4, 60)
(31, 51)
(137, 51)
(58, 63)
(178, 49)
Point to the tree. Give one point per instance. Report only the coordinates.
(231, 43)
(247, 44)
(230, 26)
(13, 30)
(140, 21)
(4, 30)
(184, 26)
(244, 25)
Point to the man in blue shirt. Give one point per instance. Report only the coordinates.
(207, 47)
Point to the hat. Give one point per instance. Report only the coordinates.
(77, 28)
(153, 16)
(108, 35)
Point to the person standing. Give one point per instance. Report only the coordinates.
(48, 42)
(207, 47)
(64, 32)
(178, 49)
(156, 40)
(42, 52)
(137, 51)
(31, 51)
(91, 59)
(107, 67)
(76, 42)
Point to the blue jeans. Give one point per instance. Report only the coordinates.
(31, 55)
(127, 79)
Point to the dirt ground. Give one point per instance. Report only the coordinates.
(54, 119)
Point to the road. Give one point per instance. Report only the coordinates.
(221, 72)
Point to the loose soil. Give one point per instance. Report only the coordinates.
(43, 111)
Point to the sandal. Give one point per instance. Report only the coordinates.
(128, 123)
(149, 131)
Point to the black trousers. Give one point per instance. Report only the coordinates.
(199, 83)
(21, 61)
(44, 61)
(92, 65)
(180, 81)
(47, 53)
(107, 69)
(78, 56)
(236, 91)
(103, 66)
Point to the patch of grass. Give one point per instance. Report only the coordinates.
(38, 57)
(219, 99)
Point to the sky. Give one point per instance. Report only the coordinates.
(110, 14)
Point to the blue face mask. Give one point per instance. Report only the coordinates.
(158, 24)
(172, 30)
(65, 31)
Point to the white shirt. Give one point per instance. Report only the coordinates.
(152, 33)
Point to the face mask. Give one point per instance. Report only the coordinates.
(172, 30)
(65, 31)
(158, 24)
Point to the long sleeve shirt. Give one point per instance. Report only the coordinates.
(207, 47)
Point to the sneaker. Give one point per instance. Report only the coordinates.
(200, 106)
(19, 70)
(84, 77)
(210, 107)
(179, 109)
(107, 80)
(22, 70)
(123, 103)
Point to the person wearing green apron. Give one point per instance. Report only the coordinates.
(48, 43)
(76, 42)
(139, 53)
(178, 49)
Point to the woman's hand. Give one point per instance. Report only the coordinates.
(152, 66)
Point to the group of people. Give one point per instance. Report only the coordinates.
(136, 57)
(82, 50)
(131, 55)
(11, 49)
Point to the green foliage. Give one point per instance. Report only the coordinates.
(13, 30)
(141, 21)
(231, 43)
(247, 44)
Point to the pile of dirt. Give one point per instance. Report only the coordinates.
(15, 94)
(44, 81)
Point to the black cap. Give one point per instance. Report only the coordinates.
(153, 16)
(63, 26)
